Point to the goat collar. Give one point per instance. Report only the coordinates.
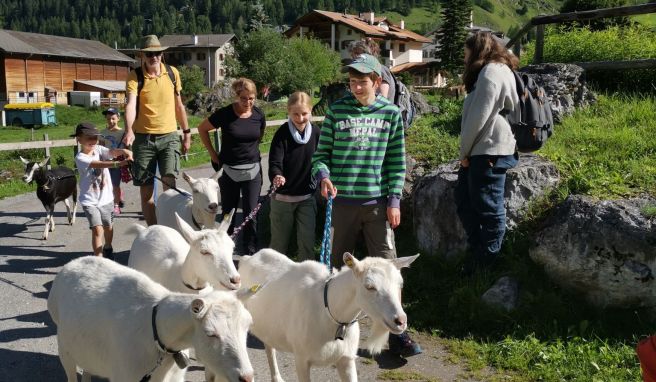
(163, 350)
(192, 288)
(341, 326)
(198, 226)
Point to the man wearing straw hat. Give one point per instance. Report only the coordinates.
(154, 105)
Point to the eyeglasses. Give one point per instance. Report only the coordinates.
(152, 54)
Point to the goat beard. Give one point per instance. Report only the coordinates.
(377, 338)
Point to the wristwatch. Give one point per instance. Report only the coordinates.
(186, 131)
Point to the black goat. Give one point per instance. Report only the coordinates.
(53, 186)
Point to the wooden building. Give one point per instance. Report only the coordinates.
(37, 67)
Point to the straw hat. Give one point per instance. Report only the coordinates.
(151, 43)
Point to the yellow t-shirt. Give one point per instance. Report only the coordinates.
(156, 113)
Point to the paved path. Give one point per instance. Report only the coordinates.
(28, 346)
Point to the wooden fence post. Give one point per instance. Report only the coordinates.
(45, 138)
(539, 45)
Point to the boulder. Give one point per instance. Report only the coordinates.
(436, 224)
(203, 103)
(503, 294)
(565, 85)
(603, 250)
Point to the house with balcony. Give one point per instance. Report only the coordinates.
(207, 51)
(398, 46)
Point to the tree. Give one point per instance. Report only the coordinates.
(259, 18)
(452, 35)
(283, 65)
(193, 81)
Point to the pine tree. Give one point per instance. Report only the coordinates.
(452, 35)
(259, 18)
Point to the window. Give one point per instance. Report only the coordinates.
(346, 43)
(348, 32)
(401, 47)
(220, 56)
(221, 72)
(200, 56)
(187, 56)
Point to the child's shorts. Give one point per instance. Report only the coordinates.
(115, 174)
(102, 215)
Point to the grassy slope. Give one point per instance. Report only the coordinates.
(603, 151)
(424, 20)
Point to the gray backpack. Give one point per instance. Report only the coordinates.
(403, 99)
(535, 124)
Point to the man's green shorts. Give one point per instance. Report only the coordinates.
(155, 150)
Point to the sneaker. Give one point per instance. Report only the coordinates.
(121, 204)
(117, 209)
(108, 253)
(402, 345)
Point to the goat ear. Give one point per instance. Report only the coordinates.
(216, 176)
(188, 233)
(225, 223)
(351, 261)
(44, 162)
(404, 262)
(187, 177)
(199, 308)
(25, 161)
(244, 294)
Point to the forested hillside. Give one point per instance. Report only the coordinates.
(121, 22)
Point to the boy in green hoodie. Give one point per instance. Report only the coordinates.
(360, 161)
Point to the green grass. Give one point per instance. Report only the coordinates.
(608, 150)
(394, 375)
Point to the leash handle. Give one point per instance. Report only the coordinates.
(325, 243)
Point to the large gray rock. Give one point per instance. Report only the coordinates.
(565, 85)
(604, 250)
(503, 294)
(436, 224)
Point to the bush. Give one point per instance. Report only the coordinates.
(193, 81)
(597, 24)
(612, 44)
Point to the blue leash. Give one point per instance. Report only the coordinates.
(325, 244)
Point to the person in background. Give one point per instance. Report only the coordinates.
(290, 170)
(152, 115)
(112, 138)
(387, 86)
(360, 161)
(487, 147)
(93, 163)
(242, 127)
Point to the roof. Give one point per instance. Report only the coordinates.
(49, 45)
(412, 65)
(112, 86)
(29, 106)
(187, 40)
(355, 22)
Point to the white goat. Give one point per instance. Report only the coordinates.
(289, 313)
(187, 260)
(111, 321)
(198, 210)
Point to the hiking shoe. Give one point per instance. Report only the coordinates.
(117, 209)
(402, 345)
(108, 253)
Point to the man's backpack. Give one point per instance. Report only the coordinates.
(403, 99)
(141, 79)
(535, 121)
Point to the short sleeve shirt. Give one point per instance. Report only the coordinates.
(156, 113)
(112, 138)
(240, 137)
(95, 183)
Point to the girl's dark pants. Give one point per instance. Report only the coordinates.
(250, 192)
(479, 198)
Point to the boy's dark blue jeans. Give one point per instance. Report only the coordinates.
(479, 197)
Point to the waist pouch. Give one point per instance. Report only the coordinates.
(242, 172)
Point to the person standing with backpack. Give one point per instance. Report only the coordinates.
(152, 114)
(487, 147)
